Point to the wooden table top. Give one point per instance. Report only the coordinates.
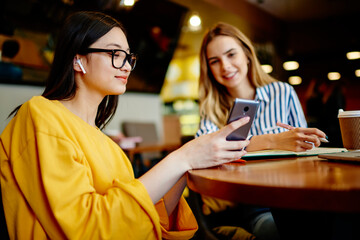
(303, 183)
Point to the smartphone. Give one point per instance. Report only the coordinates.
(242, 108)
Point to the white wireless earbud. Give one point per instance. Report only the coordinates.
(80, 64)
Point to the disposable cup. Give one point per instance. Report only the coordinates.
(350, 128)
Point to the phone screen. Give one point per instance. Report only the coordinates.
(242, 108)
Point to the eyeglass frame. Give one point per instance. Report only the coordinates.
(129, 56)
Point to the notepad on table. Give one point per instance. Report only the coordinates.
(283, 153)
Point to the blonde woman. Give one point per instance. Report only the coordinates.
(229, 70)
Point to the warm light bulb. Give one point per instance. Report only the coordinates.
(295, 80)
(195, 20)
(353, 55)
(357, 72)
(291, 65)
(334, 76)
(127, 3)
(267, 68)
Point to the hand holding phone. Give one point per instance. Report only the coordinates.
(242, 108)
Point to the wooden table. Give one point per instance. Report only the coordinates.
(303, 183)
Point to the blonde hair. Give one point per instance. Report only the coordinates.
(214, 100)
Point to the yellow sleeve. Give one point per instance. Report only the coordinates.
(58, 186)
(181, 224)
(61, 182)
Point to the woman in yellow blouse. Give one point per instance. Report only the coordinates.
(62, 178)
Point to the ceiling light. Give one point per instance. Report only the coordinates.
(291, 65)
(334, 76)
(127, 3)
(194, 22)
(357, 72)
(295, 80)
(267, 68)
(353, 55)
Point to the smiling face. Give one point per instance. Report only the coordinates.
(228, 62)
(101, 77)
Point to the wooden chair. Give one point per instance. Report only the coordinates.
(172, 130)
(152, 148)
(146, 130)
(147, 152)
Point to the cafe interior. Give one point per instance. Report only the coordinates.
(299, 42)
(312, 45)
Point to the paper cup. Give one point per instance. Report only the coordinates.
(350, 128)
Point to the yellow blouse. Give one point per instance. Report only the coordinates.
(64, 179)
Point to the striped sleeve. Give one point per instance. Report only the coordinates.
(206, 127)
(296, 116)
(278, 103)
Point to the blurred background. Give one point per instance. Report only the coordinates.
(313, 45)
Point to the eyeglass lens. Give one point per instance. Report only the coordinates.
(120, 58)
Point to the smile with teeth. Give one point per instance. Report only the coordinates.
(230, 75)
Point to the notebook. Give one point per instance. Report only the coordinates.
(352, 156)
(281, 153)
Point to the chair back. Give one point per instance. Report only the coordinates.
(172, 130)
(145, 130)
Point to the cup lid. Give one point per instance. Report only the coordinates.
(346, 114)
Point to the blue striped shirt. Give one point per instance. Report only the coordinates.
(278, 103)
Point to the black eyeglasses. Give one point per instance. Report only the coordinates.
(118, 56)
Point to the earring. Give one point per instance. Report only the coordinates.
(80, 64)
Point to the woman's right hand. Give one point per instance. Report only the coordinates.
(213, 149)
(296, 140)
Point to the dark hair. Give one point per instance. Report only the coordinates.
(10, 48)
(81, 29)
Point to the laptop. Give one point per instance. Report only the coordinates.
(350, 156)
